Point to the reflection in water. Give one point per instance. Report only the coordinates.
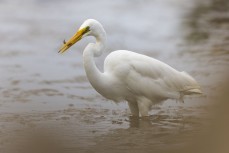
(135, 122)
(156, 121)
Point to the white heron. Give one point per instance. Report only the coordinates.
(140, 80)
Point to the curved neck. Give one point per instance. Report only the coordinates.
(100, 36)
(92, 50)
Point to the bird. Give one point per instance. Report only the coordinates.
(137, 79)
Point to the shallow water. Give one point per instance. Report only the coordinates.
(43, 89)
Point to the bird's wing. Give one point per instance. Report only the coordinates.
(151, 78)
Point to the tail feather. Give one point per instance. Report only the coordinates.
(189, 92)
(190, 85)
(194, 91)
(183, 84)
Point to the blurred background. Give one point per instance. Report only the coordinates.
(47, 103)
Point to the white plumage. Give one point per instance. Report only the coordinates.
(138, 79)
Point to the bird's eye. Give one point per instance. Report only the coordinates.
(87, 29)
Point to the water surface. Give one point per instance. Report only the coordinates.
(43, 89)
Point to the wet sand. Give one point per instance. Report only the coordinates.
(47, 103)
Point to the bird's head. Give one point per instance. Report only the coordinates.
(88, 28)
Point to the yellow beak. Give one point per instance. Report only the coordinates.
(75, 38)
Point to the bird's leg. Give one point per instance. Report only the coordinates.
(144, 106)
(133, 108)
(143, 109)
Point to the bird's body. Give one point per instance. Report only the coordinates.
(128, 76)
